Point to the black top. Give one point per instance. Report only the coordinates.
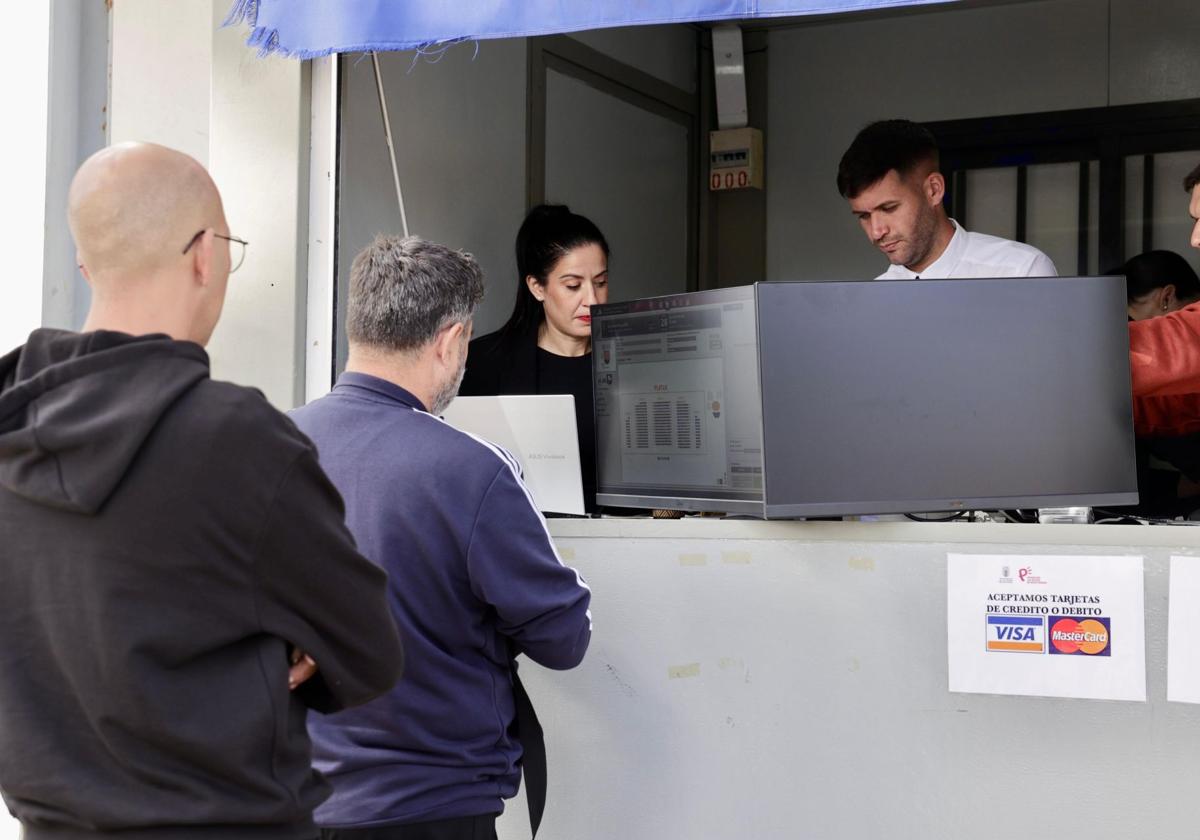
(573, 375)
(164, 540)
(507, 362)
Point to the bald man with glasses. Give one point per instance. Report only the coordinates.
(177, 585)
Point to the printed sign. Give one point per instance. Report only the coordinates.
(1183, 631)
(1068, 626)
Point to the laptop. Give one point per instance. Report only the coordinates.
(539, 430)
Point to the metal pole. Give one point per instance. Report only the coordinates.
(387, 133)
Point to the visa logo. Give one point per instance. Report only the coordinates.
(1016, 635)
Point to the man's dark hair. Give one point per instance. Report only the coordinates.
(882, 146)
(1191, 179)
(403, 291)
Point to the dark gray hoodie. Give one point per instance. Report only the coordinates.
(164, 540)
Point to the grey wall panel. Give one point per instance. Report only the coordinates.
(626, 169)
(666, 52)
(992, 202)
(1154, 51)
(1172, 224)
(1053, 213)
(1135, 172)
(459, 130)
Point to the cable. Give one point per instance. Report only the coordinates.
(918, 518)
(1110, 517)
(1115, 516)
(387, 133)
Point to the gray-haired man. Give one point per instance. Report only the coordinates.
(474, 580)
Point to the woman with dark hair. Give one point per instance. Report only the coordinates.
(1158, 282)
(546, 345)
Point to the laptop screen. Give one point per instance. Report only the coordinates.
(539, 430)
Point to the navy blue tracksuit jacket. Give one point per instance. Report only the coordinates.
(473, 580)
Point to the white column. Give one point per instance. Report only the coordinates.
(258, 139)
(31, 220)
(322, 217)
(26, 58)
(162, 73)
(25, 61)
(245, 118)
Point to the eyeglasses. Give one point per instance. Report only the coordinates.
(236, 255)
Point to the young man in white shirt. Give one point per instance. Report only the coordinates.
(890, 177)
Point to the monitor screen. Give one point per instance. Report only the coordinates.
(934, 395)
(678, 414)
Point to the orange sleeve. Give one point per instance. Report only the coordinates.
(1164, 353)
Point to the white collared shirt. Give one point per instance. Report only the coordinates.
(979, 255)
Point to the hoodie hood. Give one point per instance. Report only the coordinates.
(76, 408)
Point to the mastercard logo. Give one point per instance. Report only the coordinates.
(1082, 636)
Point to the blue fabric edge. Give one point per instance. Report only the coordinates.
(268, 41)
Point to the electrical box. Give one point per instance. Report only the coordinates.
(729, 76)
(736, 159)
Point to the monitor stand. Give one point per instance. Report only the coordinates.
(1064, 515)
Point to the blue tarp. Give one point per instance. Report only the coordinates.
(312, 28)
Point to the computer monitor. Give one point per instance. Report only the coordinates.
(678, 414)
(872, 397)
(935, 395)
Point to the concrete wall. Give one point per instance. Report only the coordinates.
(789, 680)
(827, 80)
(245, 118)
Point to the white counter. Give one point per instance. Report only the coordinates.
(964, 533)
(788, 679)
